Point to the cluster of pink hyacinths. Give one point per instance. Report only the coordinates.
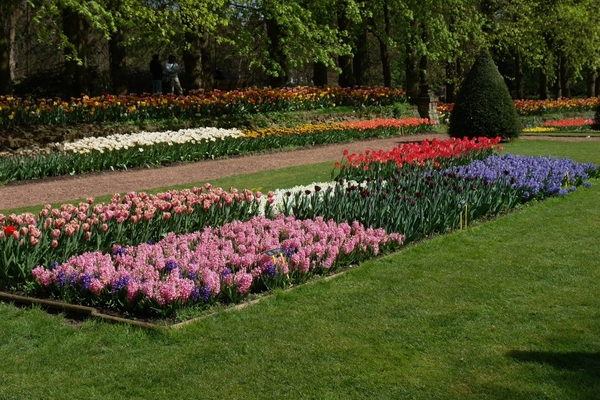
(224, 263)
(57, 233)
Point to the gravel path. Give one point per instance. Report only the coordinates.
(69, 188)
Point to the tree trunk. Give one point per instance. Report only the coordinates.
(519, 93)
(423, 75)
(558, 88)
(5, 80)
(346, 78)
(319, 74)
(385, 63)
(384, 50)
(277, 54)
(360, 62)
(412, 76)
(597, 82)
(118, 65)
(543, 85)
(206, 55)
(191, 59)
(75, 28)
(590, 83)
(450, 82)
(565, 81)
(7, 39)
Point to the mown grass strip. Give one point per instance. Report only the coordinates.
(505, 309)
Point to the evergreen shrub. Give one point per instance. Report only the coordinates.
(483, 106)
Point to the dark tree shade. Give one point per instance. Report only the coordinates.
(483, 106)
(596, 124)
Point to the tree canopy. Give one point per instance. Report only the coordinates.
(542, 48)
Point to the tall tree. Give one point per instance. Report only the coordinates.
(70, 21)
(285, 35)
(199, 20)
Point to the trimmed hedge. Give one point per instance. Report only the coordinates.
(484, 106)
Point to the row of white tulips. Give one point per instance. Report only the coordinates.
(144, 139)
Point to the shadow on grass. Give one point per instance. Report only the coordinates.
(578, 362)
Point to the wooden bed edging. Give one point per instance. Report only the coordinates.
(94, 313)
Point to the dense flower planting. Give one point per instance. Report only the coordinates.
(380, 163)
(199, 104)
(142, 140)
(57, 233)
(224, 263)
(403, 123)
(158, 148)
(537, 107)
(420, 201)
(533, 177)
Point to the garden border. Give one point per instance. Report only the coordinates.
(92, 312)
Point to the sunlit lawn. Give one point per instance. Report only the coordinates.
(505, 309)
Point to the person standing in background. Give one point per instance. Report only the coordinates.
(172, 69)
(157, 74)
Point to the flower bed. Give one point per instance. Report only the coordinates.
(224, 263)
(158, 148)
(376, 164)
(198, 104)
(250, 248)
(538, 107)
(569, 124)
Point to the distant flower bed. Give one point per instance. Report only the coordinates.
(141, 140)
(539, 129)
(570, 124)
(539, 107)
(198, 104)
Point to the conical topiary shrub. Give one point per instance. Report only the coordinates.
(483, 106)
(596, 124)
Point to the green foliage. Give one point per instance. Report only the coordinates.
(484, 106)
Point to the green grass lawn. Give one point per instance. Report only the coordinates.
(507, 309)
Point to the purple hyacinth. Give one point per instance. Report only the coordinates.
(288, 252)
(534, 175)
(270, 270)
(170, 265)
(194, 294)
(118, 251)
(205, 293)
(225, 272)
(71, 280)
(84, 281)
(60, 278)
(119, 284)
